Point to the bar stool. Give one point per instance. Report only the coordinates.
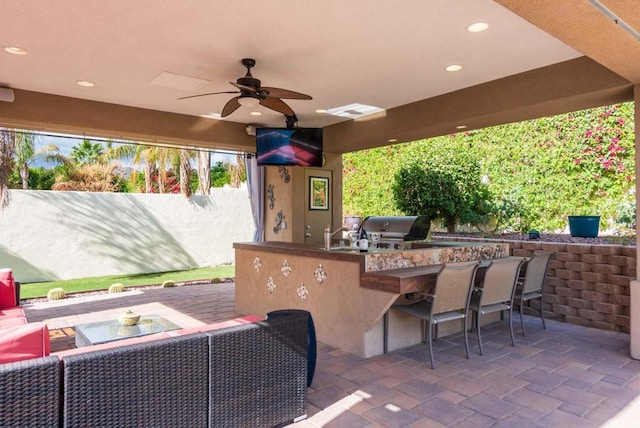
(496, 293)
(449, 301)
(530, 287)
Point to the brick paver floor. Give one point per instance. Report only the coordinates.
(565, 376)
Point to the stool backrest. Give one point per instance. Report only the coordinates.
(537, 268)
(500, 280)
(453, 286)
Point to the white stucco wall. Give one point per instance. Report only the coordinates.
(46, 235)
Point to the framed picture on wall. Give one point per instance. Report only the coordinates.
(318, 193)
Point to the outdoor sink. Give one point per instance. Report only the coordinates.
(341, 248)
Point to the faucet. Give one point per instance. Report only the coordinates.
(328, 235)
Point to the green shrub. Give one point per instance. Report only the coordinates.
(446, 187)
(168, 284)
(216, 280)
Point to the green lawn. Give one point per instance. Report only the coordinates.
(40, 289)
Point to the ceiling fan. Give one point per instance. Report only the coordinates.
(252, 94)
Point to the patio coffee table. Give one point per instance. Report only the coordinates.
(109, 331)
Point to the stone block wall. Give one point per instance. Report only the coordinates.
(586, 284)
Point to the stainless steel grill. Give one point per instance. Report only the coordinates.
(396, 231)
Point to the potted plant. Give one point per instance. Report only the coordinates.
(584, 226)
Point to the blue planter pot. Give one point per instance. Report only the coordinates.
(584, 226)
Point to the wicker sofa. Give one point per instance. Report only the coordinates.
(253, 374)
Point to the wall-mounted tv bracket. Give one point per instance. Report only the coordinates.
(291, 121)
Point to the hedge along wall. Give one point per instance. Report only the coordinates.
(586, 284)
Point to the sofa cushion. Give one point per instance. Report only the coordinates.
(11, 317)
(14, 312)
(24, 342)
(7, 289)
(6, 322)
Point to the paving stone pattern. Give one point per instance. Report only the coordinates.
(566, 376)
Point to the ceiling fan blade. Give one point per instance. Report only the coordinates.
(210, 93)
(286, 94)
(243, 87)
(232, 105)
(278, 105)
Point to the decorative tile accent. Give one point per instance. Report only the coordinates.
(271, 285)
(320, 274)
(279, 221)
(285, 269)
(303, 292)
(284, 174)
(271, 196)
(257, 264)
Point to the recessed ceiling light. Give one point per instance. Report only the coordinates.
(321, 110)
(477, 27)
(85, 83)
(461, 127)
(255, 113)
(392, 140)
(15, 50)
(454, 67)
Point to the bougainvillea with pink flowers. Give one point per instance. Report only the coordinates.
(538, 172)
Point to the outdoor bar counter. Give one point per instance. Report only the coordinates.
(346, 291)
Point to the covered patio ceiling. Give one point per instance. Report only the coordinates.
(537, 58)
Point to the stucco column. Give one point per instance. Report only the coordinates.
(635, 285)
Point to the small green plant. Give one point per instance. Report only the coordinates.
(56, 294)
(116, 288)
(626, 215)
(216, 280)
(168, 283)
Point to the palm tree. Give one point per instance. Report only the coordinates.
(180, 159)
(25, 147)
(26, 154)
(87, 152)
(185, 172)
(139, 153)
(158, 160)
(237, 173)
(204, 172)
(7, 150)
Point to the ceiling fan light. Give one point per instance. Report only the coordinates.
(248, 101)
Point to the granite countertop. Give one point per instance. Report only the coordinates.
(421, 254)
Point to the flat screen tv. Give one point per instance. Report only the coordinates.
(290, 147)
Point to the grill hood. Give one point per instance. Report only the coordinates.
(400, 228)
